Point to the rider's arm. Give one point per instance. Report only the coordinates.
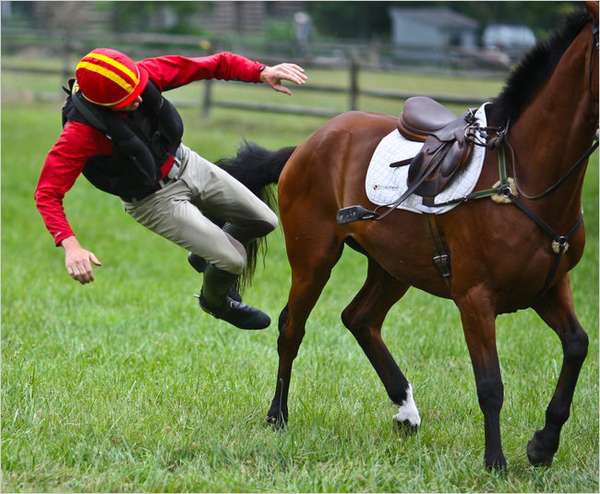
(172, 71)
(64, 163)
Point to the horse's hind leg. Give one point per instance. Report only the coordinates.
(556, 309)
(311, 267)
(364, 317)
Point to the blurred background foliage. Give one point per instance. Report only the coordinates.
(358, 20)
(371, 19)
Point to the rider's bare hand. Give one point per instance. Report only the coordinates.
(78, 261)
(283, 72)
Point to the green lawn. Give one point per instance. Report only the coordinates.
(124, 385)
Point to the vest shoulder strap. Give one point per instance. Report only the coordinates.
(88, 112)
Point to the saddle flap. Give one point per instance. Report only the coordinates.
(454, 159)
(438, 162)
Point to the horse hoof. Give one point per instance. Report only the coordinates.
(496, 464)
(405, 427)
(277, 422)
(539, 455)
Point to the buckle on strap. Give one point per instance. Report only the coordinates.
(442, 263)
(560, 245)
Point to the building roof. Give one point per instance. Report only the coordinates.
(439, 17)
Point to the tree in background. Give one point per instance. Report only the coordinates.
(371, 19)
(174, 17)
(344, 19)
(541, 17)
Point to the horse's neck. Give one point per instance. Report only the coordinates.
(554, 132)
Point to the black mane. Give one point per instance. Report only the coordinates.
(534, 70)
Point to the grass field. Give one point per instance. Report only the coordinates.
(124, 385)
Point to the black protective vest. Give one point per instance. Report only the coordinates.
(142, 141)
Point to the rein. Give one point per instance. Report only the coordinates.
(588, 152)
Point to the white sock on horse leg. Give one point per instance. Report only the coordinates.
(407, 412)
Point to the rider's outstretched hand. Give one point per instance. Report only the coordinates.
(79, 261)
(283, 72)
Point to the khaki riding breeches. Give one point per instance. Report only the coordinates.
(180, 212)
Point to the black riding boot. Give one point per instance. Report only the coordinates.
(199, 264)
(215, 300)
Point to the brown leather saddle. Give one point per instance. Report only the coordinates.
(446, 147)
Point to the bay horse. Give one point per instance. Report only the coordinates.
(501, 255)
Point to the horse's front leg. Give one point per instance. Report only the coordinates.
(479, 325)
(556, 309)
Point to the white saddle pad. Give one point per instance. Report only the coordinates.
(384, 184)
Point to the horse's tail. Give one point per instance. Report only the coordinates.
(258, 169)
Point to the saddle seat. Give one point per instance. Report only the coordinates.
(445, 150)
(422, 117)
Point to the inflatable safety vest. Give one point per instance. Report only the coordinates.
(142, 140)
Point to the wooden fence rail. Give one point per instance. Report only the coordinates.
(354, 92)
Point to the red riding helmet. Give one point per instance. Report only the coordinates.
(108, 77)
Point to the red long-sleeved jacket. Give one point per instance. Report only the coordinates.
(78, 142)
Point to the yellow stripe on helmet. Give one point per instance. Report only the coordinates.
(114, 63)
(106, 73)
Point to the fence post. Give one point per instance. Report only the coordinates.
(354, 89)
(207, 100)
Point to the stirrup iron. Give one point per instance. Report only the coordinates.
(354, 213)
